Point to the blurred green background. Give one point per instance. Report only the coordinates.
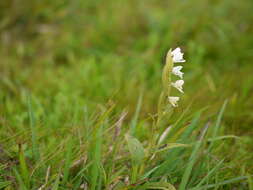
(90, 52)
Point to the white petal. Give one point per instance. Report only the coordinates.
(173, 100)
(177, 56)
(178, 85)
(176, 71)
(178, 68)
(178, 49)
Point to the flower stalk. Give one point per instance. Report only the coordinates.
(175, 56)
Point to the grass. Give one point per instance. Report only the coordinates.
(80, 83)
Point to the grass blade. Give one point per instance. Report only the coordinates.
(4, 184)
(191, 162)
(250, 182)
(35, 148)
(20, 180)
(217, 125)
(67, 165)
(96, 157)
(56, 183)
(23, 167)
(136, 115)
(208, 175)
(233, 180)
(172, 155)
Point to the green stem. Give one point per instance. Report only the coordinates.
(166, 81)
(134, 173)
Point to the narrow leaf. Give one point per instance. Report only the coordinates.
(136, 149)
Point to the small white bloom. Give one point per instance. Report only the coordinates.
(177, 56)
(178, 85)
(177, 71)
(173, 100)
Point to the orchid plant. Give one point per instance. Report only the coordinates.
(175, 56)
(165, 106)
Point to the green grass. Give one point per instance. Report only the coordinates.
(80, 83)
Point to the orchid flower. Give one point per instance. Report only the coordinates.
(177, 55)
(177, 71)
(173, 100)
(178, 85)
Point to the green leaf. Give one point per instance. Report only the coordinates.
(24, 168)
(35, 147)
(136, 115)
(170, 146)
(229, 181)
(136, 149)
(192, 160)
(4, 184)
(67, 164)
(217, 125)
(20, 181)
(250, 182)
(203, 180)
(56, 183)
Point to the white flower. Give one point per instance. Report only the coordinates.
(178, 85)
(177, 56)
(173, 100)
(177, 71)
